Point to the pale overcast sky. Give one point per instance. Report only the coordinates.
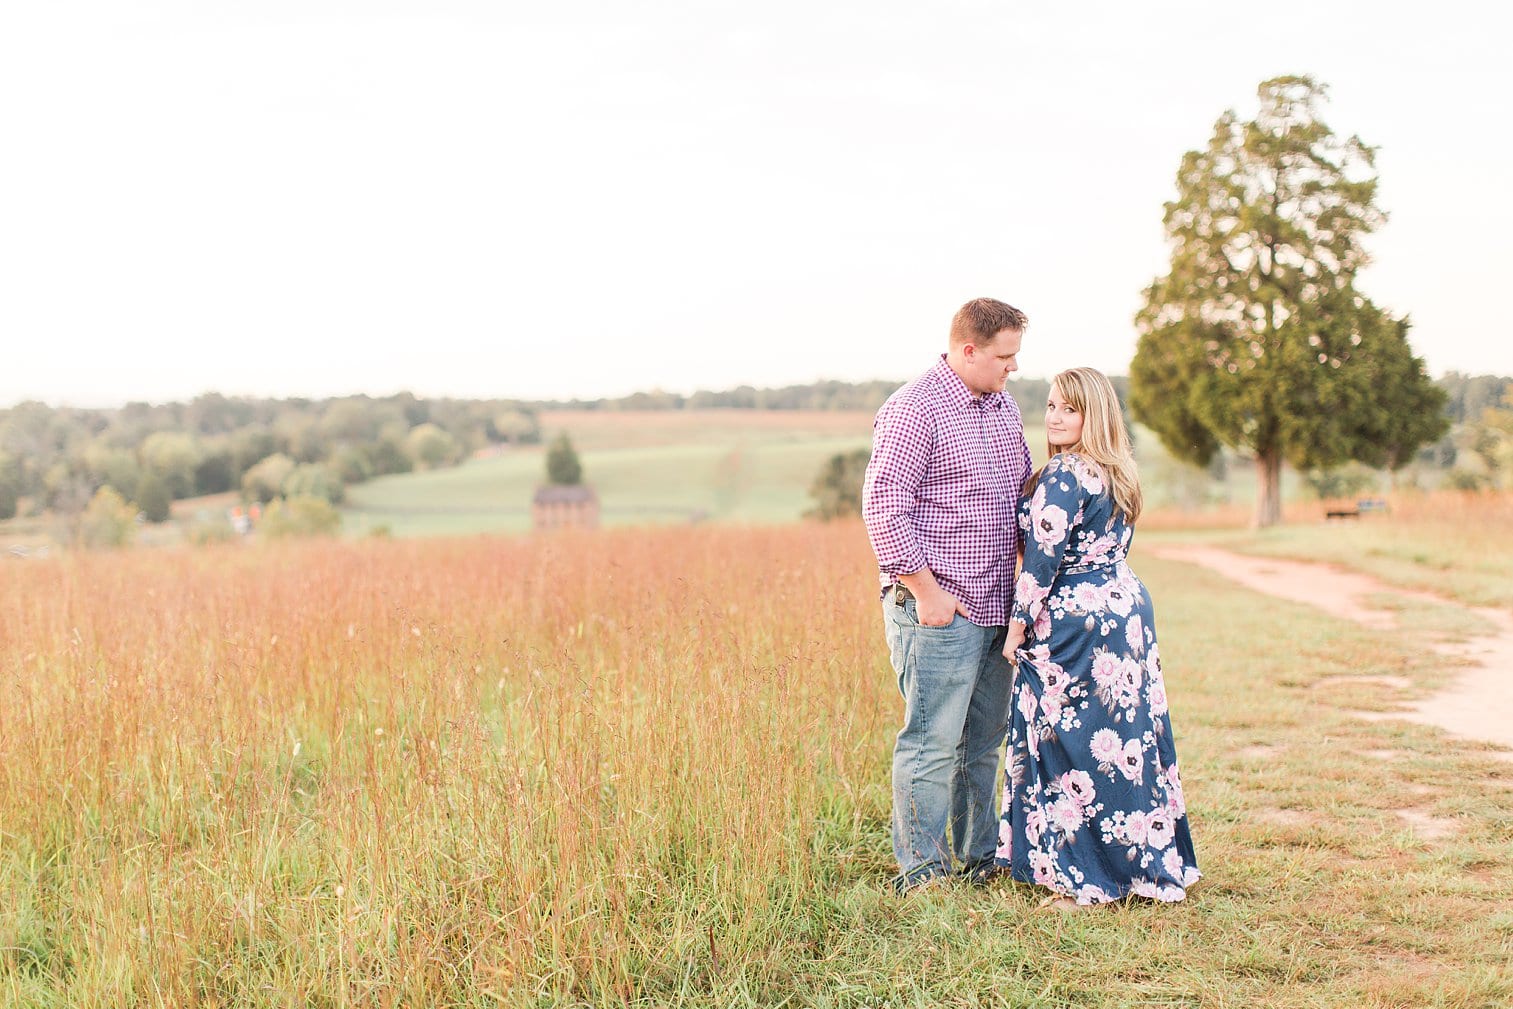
(514, 199)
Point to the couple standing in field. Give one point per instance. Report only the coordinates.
(1061, 660)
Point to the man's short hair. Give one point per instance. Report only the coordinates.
(981, 319)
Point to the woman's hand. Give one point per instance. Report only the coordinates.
(1013, 639)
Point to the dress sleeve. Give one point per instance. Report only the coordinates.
(901, 443)
(1055, 511)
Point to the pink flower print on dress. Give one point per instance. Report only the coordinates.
(1159, 828)
(1157, 697)
(1027, 708)
(1134, 633)
(1135, 827)
(1051, 674)
(1052, 703)
(1105, 746)
(1005, 839)
(1027, 703)
(1088, 597)
(1034, 825)
(1092, 894)
(1028, 592)
(1099, 550)
(1089, 476)
(1131, 762)
(1119, 599)
(1153, 664)
(1043, 868)
(1066, 815)
(1172, 863)
(1175, 800)
(1130, 678)
(1106, 671)
(1078, 785)
(1049, 526)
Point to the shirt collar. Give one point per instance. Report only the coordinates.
(956, 392)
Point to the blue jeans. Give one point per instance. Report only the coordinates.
(956, 684)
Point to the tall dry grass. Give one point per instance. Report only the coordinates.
(650, 768)
(405, 772)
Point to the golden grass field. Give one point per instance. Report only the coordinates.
(650, 768)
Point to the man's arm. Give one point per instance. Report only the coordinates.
(902, 439)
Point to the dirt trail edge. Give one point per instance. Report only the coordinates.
(1477, 705)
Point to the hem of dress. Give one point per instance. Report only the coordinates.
(1005, 864)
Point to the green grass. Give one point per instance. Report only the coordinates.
(612, 773)
(734, 467)
(1453, 547)
(674, 467)
(742, 481)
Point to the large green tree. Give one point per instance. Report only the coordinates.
(1258, 338)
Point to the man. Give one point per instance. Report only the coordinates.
(948, 460)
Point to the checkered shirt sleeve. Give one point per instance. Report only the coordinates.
(902, 437)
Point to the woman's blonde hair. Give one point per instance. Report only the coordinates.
(1105, 440)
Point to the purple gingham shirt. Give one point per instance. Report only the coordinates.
(942, 488)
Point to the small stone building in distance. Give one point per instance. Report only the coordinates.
(562, 506)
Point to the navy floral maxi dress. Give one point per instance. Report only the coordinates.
(1092, 805)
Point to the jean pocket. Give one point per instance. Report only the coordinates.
(911, 609)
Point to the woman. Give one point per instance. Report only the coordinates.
(1093, 805)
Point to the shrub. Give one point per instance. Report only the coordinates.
(300, 516)
(10, 487)
(153, 497)
(562, 465)
(837, 490)
(216, 472)
(1463, 478)
(352, 464)
(314, 480)
(174, 457)
(265, 481)
(429, 446)
(1344, 481)
(108, 521)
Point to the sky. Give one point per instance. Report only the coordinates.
(585, 199)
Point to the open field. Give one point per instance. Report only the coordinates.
(648, 467)
(655, 467)
(726, 466)
(1457, 544)
(651, 768)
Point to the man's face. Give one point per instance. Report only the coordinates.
(989, 365)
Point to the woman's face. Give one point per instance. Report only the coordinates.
(1063, 425)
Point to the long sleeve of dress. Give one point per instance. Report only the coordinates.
(1055, 511)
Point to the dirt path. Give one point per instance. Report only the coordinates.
(1477, 705)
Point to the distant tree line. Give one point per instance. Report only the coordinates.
(1029, 393)
(826, 395)
(58, 458)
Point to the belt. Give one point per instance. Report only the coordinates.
(1078, 569)
(900, 593)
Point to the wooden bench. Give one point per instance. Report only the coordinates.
(1364, 505)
